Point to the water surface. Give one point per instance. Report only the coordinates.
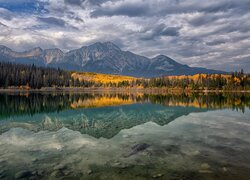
(122, 136)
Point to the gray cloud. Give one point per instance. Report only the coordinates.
(85, 3)
(162, 8)
(52, 21)
(239, 26)
(216, 42)
(3, 25)
(74, 2)
(204, 19)
(99, 2)
(130, 9)
(5, 14)
(160, 31)
(56, 22)
(72, 15)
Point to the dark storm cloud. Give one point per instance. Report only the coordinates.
(74, 2)
(161, 8)
(87, 2)
(216, 42)
(56, 22)
(52, 21)
(239, 26)
(219, 6)
(203, 19)
(166, 31)
(99, 2)
(72, 15)
(159, 31)
(130, 9)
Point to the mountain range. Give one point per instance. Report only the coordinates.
(103, 57)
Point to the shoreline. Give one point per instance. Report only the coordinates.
(118, 90)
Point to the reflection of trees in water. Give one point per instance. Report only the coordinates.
(208, 101)
(37, 103)
(31, 104)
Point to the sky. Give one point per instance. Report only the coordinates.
(212, 34)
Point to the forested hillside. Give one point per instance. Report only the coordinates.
(32, 77)
(234, 81)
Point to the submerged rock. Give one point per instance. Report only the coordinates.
(136, 149)
(40, 172)
(125, 136)
(224, 169)
(56, 173)
(205, 168)
(60, 167)
(22, 174)
(157, 175)
(117, 164)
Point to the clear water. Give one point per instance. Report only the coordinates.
(124, 136)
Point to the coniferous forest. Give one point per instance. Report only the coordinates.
(32, 77)
(18, 75)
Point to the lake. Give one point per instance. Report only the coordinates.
(124, 136)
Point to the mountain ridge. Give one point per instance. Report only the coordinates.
(102, 57)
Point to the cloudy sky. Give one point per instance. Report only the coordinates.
(213, 34)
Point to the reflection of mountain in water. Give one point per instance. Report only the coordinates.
(108, 121)
(102, 122)
(104, 115)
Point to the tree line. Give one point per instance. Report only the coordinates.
(233, 81)
(30, 76)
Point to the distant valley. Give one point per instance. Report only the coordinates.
(102, 58)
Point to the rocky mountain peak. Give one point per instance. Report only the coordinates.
(3, 49)
(37, 51)
(163, 58)
(51, 55)
(53, 50)
(102, 57)
(103, 46)
(111, 45)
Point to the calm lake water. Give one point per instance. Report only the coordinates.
(124, 136)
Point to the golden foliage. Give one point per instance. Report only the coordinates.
(196, 77)
(101, 78)
(100, 102)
